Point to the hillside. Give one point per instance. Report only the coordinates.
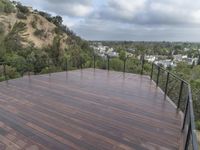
(31, 35)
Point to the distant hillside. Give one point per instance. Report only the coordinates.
(32, 35)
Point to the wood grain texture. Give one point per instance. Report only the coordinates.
(86, 110)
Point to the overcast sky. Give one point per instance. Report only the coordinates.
(148, 20)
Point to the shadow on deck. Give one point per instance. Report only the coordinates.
(87, 109)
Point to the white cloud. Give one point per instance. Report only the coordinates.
(128, 19)
(125, 8)
(70, 9)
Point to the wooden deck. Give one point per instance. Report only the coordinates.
(86, 110)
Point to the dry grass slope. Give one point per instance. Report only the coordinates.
(41, 23)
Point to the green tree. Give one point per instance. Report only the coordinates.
(57, 20)
(17, 62)
(22, 8)
(122, 55)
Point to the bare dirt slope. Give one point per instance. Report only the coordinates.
(40, 23)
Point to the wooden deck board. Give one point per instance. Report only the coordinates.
(89, 110)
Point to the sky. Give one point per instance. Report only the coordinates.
(131, 20)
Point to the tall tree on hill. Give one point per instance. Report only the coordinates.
(57, 20)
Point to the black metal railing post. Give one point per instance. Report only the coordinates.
(124, 69)
(185, 113)
(180, 94)
(108, 67)
(66, 65)
(4, 71)
(48, 63)
(152, 71)
(21, 70)
(142, 70)
(158, 75)
(29, 66)
(166, 85)
(94, 62)
(81, 65)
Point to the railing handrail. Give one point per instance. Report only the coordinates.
(191, 132)
(171, 73)
(192, 119)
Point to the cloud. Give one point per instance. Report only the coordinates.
(70, 8)
(128, 19)
(73, 8)
(152, 12)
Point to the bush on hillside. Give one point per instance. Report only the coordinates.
(10, 72)
(198, 125)
(22, 8)
(1, 28)
(21, 15)
(39, 33)
(34, 24)
(17, 62)
(13, 40)
(50, 69)
(6, 6)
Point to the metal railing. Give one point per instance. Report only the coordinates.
(166, 80)
(107, 64)
(31, 67)
(170, 84)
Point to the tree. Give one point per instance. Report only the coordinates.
(57, 20)
(122, 55)
(17, 62)
(22, 8)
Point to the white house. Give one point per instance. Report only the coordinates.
(150, 58)
(166, 63)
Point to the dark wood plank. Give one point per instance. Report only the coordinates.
(87, 109)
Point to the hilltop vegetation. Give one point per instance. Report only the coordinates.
(34, 37)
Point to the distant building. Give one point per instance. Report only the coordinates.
(166, 63)
(177, 58)
(150, 58)
(113, 54)
(191, 61)
(130, 50)
(186, 49)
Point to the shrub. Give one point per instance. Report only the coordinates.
(57, 30)
(2, 78)
(10, 72)
(1, 28)
(198, 125)
(116, 64)
(13, 40)
(34, 24)
(22, 8)
(50, 69)
(9, 8)
(21, 15)
(6, 6)
(17, 62)
(39, 33)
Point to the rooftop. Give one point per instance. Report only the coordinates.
(87, 109)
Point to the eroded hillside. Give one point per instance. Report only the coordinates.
(28, 35)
